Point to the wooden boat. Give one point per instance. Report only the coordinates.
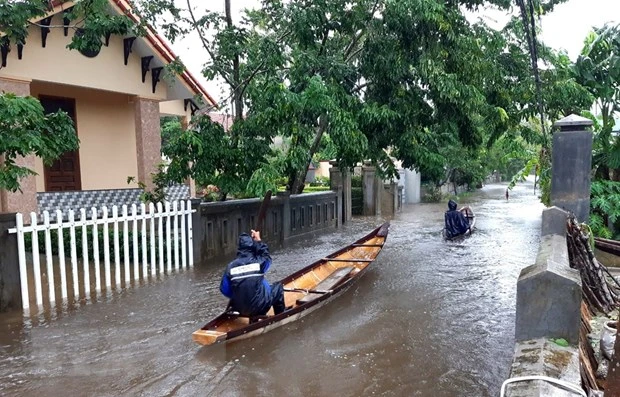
(304, 291)
(606, 245)
(471, 217)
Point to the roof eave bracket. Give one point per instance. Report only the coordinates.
(146, 66)
(192, 104)
(127, 44)
(45, 23)
(66, 20)
(5, 48)
(155, 73)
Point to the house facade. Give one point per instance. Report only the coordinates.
(115, 96)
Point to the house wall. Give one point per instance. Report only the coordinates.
(106, 128)
(55, 63)
(175, 108)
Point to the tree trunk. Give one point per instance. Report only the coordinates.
(237, 92)
(298, 182)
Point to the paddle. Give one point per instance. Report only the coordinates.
(262, 212)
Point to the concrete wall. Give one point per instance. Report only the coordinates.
(218, 224)
(323, 169)
(106, 128)
(175, 108)
(548, 308)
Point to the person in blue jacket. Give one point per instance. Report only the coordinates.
(244, 279)
(456, 222)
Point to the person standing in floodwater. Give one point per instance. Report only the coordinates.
(507, 195)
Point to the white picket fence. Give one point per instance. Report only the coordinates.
(168, 225)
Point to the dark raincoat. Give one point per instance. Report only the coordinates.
(456, 222)
(244, 282)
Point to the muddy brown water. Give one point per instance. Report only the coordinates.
(430, 318)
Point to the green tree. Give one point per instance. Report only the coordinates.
(25, 129)
(383, 79)
(598, 69)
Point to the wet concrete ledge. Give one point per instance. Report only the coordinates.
(543, 357)
(548, 308)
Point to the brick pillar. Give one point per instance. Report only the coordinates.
(10, 282)
(26, 200)
(148, 138)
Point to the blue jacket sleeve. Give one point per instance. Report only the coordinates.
(261, 251)
(225, 285)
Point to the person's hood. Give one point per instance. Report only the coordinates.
(245, 246)
(452, 205)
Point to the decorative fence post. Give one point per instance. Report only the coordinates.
(571, 167)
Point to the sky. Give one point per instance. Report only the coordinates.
(565, 28)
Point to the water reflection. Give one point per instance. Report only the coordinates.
(429, 318)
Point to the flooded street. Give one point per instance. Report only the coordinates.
(430, 318)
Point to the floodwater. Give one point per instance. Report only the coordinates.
(429, 318)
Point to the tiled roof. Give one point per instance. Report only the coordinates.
(226, 120)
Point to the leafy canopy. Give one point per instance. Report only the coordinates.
(25, 129)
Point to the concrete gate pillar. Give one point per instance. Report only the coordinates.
(286, 215)
(371, 190)
(336, 184)
(26, 200)
(571, 167)
(340, 182)
(148, 138)
(347, 203)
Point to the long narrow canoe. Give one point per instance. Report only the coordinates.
(304, 291)
(471, 218)
(609, 246)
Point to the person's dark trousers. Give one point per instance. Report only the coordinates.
(277, 298)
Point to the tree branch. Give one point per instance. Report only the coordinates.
(358, 36)
(205, 44)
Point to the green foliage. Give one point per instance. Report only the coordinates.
(90, 19)
(160, 181)
(320, 181)
(432, 194)
(376, 80)
(95, 23)
(312, 189)
(25, 129)
(561, 342)
(597, 69)
(237, 162)
(605, 208)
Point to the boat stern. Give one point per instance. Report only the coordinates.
(208, 337)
